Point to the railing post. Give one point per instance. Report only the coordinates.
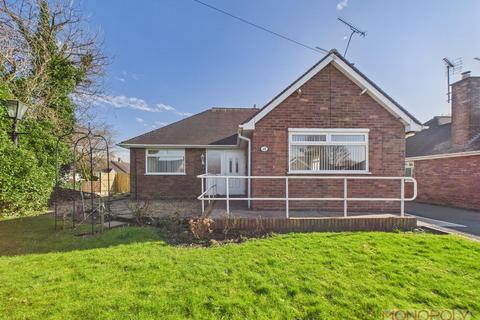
(402, 197)
(286, 198)
(203, 190)
(345, 196)
(228, 195)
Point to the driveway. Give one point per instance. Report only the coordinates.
(463, 220)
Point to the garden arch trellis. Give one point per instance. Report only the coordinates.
(102, 207)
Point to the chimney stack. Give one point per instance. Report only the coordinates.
(465, 109)
(465, 74)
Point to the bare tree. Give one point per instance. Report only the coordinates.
(99, 147)
(33, 33)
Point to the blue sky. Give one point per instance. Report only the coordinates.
(173, 58)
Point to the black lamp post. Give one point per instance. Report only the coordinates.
(15, 110)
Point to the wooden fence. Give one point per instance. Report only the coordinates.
(122, 183)
(334, 224)
(119, 183)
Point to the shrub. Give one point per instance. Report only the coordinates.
(201, 227)
(139, 210)
(25, 186)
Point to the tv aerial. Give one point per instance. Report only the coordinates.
(452, 67)
(354, 30)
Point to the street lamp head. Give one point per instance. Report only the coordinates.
(15, 108)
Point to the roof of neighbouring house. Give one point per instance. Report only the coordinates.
(216, 126)
(117, 166)
(120, 166)
(437, 139)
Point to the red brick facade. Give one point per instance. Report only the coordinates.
(329, 100)
(449, 181)
(144, 186)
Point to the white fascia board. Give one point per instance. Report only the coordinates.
(132, 145)
(409, 123)
(330, 130)
(444, 155)
(359, 80)
(250, 125)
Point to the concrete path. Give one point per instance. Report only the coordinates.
(465, 221)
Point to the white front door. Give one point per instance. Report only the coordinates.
(226, 163)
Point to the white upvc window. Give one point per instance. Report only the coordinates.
(165, 161)
(409, 169)
(328, 150)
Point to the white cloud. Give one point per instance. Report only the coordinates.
(165, 107)
(173, 110)
(127, 75)
(125, 102)
(342, 5)
(160, 123)
(136, 104)
(139, 119)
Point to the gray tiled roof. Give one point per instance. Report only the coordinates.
(437, 140)
(216, 126)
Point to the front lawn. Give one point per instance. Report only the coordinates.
(130, 273)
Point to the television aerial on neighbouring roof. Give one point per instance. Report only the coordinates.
(453, 67)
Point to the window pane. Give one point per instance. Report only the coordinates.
(348, 137)
(309, 137)
(171, 152)
(163, 165)
(214, 163)
(328, 158)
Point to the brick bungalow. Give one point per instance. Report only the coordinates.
(332, 121)
(445, 158)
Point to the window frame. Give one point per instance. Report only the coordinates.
(328, 133)
(409, 165)
(157, 156)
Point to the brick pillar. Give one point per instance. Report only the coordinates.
(465, 109)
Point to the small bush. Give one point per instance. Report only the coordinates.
(139, 210)
(201, 227)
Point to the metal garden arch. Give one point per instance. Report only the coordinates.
(103, 209)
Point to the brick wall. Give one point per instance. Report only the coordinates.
(465, 110)
(329, 100)
(166, 186)
(449, 181)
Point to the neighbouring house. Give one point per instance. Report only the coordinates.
(445, 158)
(332, 121)
(114, 178)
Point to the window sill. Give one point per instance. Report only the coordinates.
(329, 172)
(166, 174)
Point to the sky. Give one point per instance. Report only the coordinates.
(170, 59)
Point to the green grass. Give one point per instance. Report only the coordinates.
(130, 273)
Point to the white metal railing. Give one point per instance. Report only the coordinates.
(206, 193)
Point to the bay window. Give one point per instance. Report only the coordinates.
(165, 161)
(328, 150)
